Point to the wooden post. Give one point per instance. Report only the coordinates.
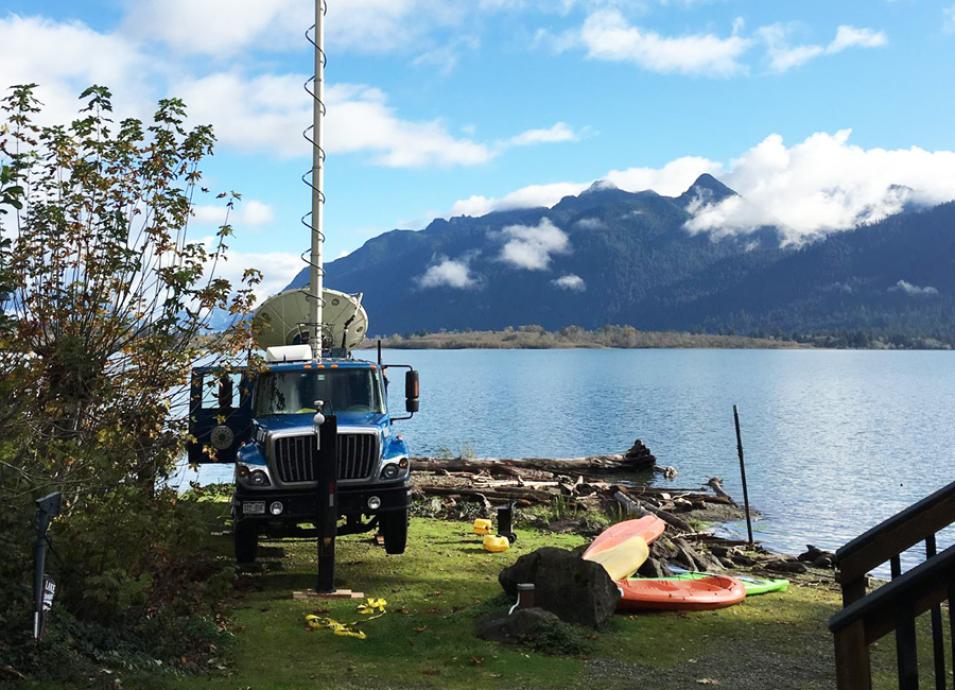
(853, 668)
(742, 471)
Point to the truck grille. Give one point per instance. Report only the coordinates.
(295, 457)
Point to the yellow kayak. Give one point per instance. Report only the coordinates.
(624, 547)
(622, 559)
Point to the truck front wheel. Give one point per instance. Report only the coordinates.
(394, 528)
(246, 539)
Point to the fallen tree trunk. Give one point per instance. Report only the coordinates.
(637, 459)
(602, 464)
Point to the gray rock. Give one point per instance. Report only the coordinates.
(743, 559)
(577, 591)
(813, 554)
(784, 566)
(524, 624)
(654, 567)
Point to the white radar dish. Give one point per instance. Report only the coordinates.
(284, 320)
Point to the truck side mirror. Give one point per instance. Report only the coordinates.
(412, 391)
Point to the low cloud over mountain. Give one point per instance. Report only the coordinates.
(609, 256)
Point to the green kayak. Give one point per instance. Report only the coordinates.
(753, 585)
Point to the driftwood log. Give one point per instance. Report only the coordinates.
(602, 482)
(640, 509)
(637, 459)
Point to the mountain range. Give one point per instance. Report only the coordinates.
(609, 256)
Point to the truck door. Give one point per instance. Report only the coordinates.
(220, 414)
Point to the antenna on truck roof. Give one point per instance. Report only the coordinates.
(328, 321)
(315, 179)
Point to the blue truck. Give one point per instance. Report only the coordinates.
(265, 419)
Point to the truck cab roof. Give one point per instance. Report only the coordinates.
(319, 364)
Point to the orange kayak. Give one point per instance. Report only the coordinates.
(710, 592)
(648, 528)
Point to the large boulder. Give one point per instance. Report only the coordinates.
(577, 591)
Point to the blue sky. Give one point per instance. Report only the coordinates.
(444, 106)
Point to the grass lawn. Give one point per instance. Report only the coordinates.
(445, 580)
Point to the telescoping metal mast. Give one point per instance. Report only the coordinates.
(315, 179)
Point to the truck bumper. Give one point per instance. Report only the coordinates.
(301, 506)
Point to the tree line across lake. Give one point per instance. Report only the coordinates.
(624, 337)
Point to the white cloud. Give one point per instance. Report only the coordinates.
(222, 28)
(820, 185)
(571, 282)
(590, 224)
(65, 58)
(267, 113)
(855, 37)
(532, 196)
(948, 15)
(783, 56)
(256, 213)
(249, 213)
(217, 27)
(445, 58)
(278, 269)
(448, 272)
(913, 290)
(376, 26)
(560, 132)
(262, 113)
(359, 119)
(607, 35)
(672, 179)
(531, 247)
(825, 184)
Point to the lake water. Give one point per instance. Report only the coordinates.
(835, 440)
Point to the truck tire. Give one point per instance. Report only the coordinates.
(394, 528)
(245, 536)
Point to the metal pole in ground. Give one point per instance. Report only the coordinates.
(742, 471)
(316, 259)
(47, 508)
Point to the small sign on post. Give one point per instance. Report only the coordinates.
(44, 588)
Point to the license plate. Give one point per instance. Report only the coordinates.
(253, 508)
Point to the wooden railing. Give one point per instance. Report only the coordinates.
(868, 617)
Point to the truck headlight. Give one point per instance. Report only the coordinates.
(390, 471)
(259, 478)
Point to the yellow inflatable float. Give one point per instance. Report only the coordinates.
(496, 544)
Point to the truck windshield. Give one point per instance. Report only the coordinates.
(295, 392)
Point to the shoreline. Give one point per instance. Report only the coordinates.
(582, 496)
(629, 338)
